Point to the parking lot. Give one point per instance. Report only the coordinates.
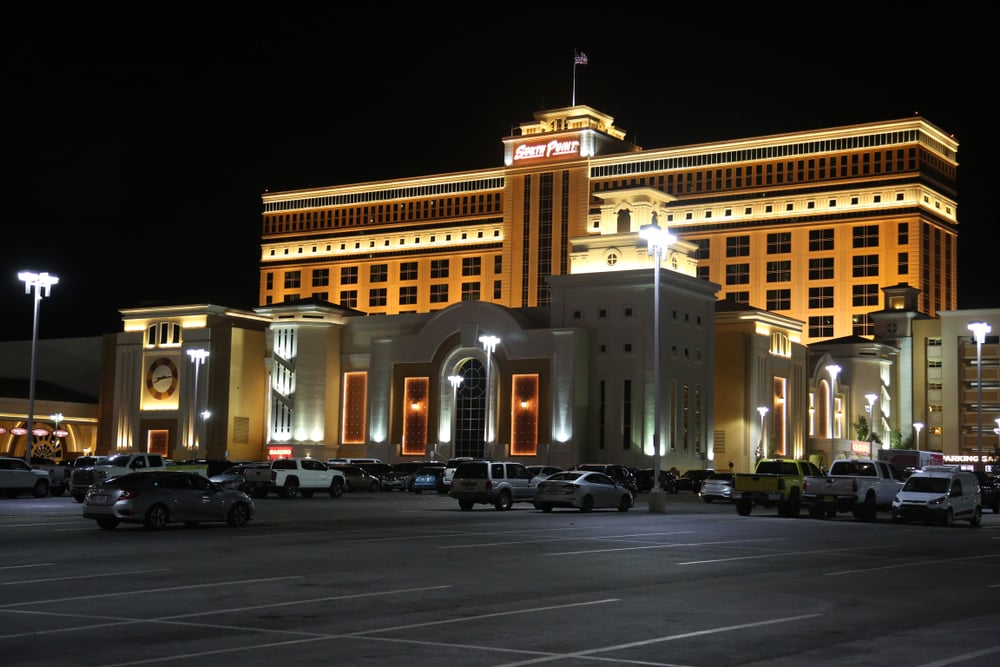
(398, 578)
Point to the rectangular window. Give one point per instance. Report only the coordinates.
(738, 246)
(865, 266)
(864, 295)
(779, 299)
(470, 291)
(377, 297)
(439, 268)
(820, 239)
(497, 289)
(821, 268)
(378, 273)
(471, 266)
(439, 293)
(349, 275)
(702, 251)
(321, 277)
(780, 242)
(738, 274)
(821, 326)
(903, 233)
(865, 236)
(349, 298)
(408, 295)
(820, 297)
(862, 325)
(498, 264)
(739, 297)
(293, 279)
(779, 272)
(903, 263)
(408, 271)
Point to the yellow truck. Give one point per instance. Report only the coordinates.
(773, 483)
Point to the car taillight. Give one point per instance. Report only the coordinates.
(489, 485)
(126, 494)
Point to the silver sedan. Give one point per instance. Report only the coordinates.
(155, 499)
(583, 490)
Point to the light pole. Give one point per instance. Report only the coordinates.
(980, 329)
(762, 409)
(198, 357)
(455, 381)
(40, 282)
(918, 426)
(871, 423)
(490, 345)
(657, 241)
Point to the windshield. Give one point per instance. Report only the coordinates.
(926, 484)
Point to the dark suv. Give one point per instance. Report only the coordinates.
(989, 490)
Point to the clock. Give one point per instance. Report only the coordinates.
(161, 378)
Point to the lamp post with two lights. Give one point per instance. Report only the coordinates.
(490, 345)
(39, 282)
(979, 329)
(198, 356)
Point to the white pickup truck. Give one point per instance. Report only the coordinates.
(291, 477)
(112, 466)
(863, 487)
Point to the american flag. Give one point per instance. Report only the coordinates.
(580, 59)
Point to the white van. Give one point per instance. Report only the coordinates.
(940, 494)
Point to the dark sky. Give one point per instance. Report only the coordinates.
(142, 138)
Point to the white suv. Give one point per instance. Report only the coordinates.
(497, 483)
(449, 469)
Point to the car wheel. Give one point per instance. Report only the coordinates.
(238, 515)
(869, 511)
(625, 503)
(465, 504)
(107, 523)
(504, 501)
(290, 489)
(41, 488)
(587, 505)
(977, 517)
(948, 518)
(336, 488)
(156, 517)
(743, 507)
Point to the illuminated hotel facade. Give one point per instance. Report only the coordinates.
(376, 299)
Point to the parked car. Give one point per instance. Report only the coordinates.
(644, 480)
(428, 478)
(989, 490)
(358, 479)
(451, 465)
(717, 486)
(691, 479)
(941, 494)
(155, 499)
(620, 473)
(538, 473)
(383, 471)
(404, 472)
(497, 483)
(233, 477)
(17, 477)
(583, 490)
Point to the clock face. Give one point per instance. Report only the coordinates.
(161, 378)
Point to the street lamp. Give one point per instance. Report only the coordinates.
(657, 241)
(198, 357)
(455, 381)
(833, 370)
(40, 282)
(871, 423)
(919, 427)
(980, 329)
(762, 409)
(490, 345)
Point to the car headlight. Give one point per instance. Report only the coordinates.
(937, 501)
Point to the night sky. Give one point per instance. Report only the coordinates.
(143, 138)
